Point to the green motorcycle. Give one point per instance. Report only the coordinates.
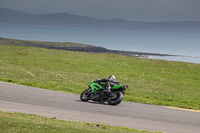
(97, 92)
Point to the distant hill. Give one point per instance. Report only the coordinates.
(69, 20)
(74, 47)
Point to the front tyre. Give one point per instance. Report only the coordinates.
(115, 99)
(85, 95)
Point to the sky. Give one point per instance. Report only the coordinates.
(134, 10)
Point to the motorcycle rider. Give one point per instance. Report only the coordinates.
(109, 82)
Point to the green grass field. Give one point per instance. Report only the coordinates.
(150, 81)
(24, 123)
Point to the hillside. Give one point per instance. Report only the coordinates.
(73, 47)
(150, 81)
(69, 20)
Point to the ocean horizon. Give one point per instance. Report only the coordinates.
(185, 45)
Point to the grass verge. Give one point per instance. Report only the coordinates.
(22, 123)
(150, 81)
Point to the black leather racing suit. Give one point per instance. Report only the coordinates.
(109, 83)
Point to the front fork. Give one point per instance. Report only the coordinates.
(88, 91)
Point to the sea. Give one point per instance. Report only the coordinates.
(186, 45)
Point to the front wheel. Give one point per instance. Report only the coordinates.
(115, 99)
(85, 95)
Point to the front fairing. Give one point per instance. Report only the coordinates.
(94, 86)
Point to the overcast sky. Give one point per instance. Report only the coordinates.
(136, 10)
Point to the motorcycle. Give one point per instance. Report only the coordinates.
(97, 92)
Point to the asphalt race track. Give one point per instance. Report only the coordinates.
(18, 98)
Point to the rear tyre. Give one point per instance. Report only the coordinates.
(85, 95)
(115, 99)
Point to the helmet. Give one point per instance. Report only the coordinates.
(111, 77)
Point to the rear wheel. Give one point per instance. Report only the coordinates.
(115, 99)
(85, 95)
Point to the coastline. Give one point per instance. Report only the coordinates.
(91, 48)
(76, 47)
